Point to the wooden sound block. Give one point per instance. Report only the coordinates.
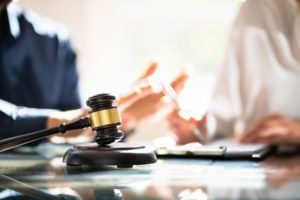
(118, 154)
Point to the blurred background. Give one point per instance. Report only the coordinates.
(115, 40)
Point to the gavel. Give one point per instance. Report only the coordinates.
(104, 119)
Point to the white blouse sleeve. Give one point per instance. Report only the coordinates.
(229, 101)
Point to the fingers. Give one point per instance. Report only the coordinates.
(173, 114)
(146, 85)
(249, 136)
(133, 95)
(141, 89)
(274, 138)
(175, 123)
(124, 99)
(149, 71)
(174, 118)
(183, 129)
(270, 135)
(128, 122)
(180, 81)
(274, 129)
(177, 84)
(262, 125)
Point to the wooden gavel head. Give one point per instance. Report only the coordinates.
(105, 119)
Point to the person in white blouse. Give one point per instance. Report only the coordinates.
(256, 96)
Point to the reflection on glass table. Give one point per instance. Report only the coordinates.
(36, 177)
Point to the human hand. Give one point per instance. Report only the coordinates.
(60, 117)
(275, 129)
(183, 127)
(146, 100)
(142, 86)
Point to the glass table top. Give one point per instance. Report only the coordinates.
(34, 176)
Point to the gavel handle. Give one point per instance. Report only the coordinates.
(13, 142)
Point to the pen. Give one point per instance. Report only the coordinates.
(169, 91)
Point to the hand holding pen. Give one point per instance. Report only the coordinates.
(185, 127)
(187, 130)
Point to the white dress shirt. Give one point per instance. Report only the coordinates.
(260, 74)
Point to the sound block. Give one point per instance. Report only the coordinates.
(119, 154)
